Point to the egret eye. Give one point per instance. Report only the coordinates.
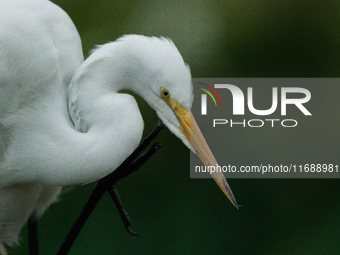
(165, 93)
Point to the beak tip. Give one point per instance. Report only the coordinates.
(233, 201)
(228, 192)
(199, 146)
(236, 205)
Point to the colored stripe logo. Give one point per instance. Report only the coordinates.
(209, 93)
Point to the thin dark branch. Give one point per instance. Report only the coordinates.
(142, 146)
(33, 245)
(147, 140)
(121, 175)
(131, 164)
(91, 203)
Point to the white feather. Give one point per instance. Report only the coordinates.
(62, 120)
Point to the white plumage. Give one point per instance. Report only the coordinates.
(62, 120)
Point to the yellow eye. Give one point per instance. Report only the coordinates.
(165, 93)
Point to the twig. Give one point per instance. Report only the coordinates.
(123, 214)
(120, 175)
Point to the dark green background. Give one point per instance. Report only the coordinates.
(175, 214)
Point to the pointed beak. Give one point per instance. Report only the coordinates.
(193, 134)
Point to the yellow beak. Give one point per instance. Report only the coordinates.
(194, 135)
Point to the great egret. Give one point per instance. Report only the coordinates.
(62, 120)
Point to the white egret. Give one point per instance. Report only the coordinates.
(62, 120)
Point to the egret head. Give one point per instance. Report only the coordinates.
(154, 69)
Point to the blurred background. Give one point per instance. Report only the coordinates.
(175, 214)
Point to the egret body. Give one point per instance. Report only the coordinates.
(62, 120)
